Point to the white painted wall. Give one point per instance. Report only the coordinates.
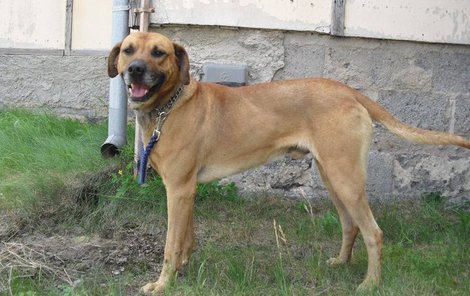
(32, 24)
(302, 15)
(91, 27)
(41, 24)
(445, 21)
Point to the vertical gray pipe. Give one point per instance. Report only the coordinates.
(117, 114)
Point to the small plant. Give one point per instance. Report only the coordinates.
(218, 191)
(124, 186)
(434, 199)
(123, 181)
(328, 223)
(279, 271)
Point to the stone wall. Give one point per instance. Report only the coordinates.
(72, 86)
(426, 85)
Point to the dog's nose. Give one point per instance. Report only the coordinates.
(136, 68)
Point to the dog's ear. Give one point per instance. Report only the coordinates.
(113, 59)
(183, 63)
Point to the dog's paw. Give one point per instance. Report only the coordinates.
(368, 284)
(336, 261)
(153, 288)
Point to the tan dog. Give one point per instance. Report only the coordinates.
(214, 131)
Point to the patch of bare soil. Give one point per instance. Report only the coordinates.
(72, 258)
(38, 245)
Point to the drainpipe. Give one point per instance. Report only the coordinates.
(117, 114)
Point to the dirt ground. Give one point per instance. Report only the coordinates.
(72, 257)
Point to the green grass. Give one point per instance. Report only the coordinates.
(39, 150)
(54, 184)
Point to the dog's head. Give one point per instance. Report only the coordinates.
(151, 65)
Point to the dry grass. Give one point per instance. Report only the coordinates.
(18, 260)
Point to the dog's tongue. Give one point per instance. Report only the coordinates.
(138, 90)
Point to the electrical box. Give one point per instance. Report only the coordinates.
(226, 74)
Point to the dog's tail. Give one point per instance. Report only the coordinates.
(412, 134)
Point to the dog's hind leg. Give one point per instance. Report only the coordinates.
(347, 184)
(348, 227)
(342, 156)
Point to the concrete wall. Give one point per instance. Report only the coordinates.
(427, 85)
(72, 86)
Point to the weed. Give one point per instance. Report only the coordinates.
(433, 199)
(328, 223)
(215, 190)
(279, 271)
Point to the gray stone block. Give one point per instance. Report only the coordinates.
(75, 86)
(417, 174)
(462, 114)
(451, 72)
(262, 51)
(412, 77)
(449, 66)
(423, 110)
(299, 178)
(301, 62)
(419, 109)
(285, 177)
(379, 176)
(371, 68)
(304, 57)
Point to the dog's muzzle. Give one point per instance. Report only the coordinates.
(141, 82)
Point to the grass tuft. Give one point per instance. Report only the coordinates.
(38, 149)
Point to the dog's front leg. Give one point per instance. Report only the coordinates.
(180, 234)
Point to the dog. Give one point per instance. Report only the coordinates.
(210, 131)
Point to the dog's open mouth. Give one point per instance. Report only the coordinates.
(141, 92)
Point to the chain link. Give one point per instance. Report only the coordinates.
(164, 111)
(171, 102)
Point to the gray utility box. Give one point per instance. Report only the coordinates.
(226, 74)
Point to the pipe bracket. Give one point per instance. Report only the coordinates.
(122, 8)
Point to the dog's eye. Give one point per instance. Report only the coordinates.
(128, 50)
(157, 53)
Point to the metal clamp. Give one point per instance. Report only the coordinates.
(140, 10)
(121, 8)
